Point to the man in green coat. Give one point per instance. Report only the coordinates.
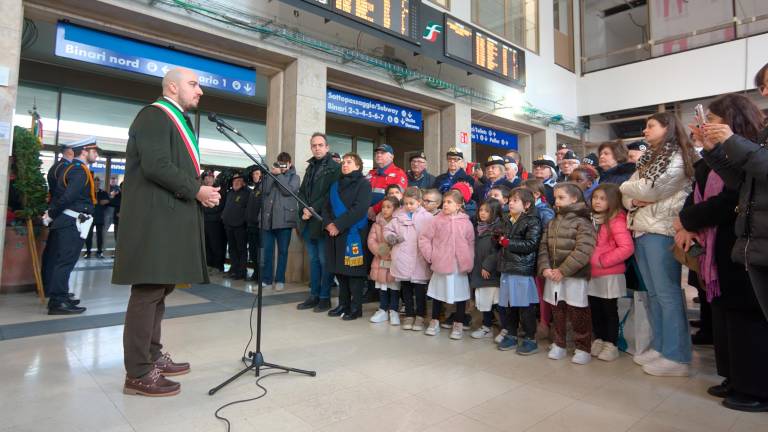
(161, 224)
(321, 172)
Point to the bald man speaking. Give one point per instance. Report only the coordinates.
(161, 241)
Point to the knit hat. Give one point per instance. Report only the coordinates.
(637, 145)
(591, 160)
(465, 189)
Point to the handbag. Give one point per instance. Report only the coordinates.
(685, 258)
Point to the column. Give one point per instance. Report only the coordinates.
(544, 142)
(303, 112)
(432, 149)
(456, 131)
(11, 24)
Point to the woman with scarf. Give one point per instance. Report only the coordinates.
(654, 196)
(739, 329)
(345, 218)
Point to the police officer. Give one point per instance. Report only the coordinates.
(233, 218)
(71, 214)
(67, 154)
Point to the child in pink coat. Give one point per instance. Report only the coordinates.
(448, 244)
(408, 266)
(389, 297)
(614, 246)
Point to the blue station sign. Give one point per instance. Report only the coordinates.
(116, 168)
(352, 105)
(105, 49)
(493, 137)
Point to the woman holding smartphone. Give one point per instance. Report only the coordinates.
(740, 329)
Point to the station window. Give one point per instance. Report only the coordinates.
(514, 20)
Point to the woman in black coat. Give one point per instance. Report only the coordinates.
(612, 161)
(740, 331)
(345, 218)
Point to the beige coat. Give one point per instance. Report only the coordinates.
(667, 193)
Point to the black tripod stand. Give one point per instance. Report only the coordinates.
(256, 358)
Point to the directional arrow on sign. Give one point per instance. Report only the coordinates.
(165, 70)
(247, 87)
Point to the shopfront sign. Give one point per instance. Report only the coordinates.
(117, 52)
(115, 168)
(363, 108)
(493, 137)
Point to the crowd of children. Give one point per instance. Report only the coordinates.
(521, 261)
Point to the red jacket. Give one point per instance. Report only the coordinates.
(379, 182)
(613, 247)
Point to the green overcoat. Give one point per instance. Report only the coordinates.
(161, 237)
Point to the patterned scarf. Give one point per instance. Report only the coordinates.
(482, 227)
(707, 262)
(655, 161)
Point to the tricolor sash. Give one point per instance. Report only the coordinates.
(187, 135)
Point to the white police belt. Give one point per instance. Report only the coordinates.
(83, 222)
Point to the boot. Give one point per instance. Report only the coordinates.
(356, 301)
(309, 303)
(322, 305)
(336, 312)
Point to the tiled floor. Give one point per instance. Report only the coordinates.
(370, 378)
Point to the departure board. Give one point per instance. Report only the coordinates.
(395, 16)
(467, 43)
(458, 40)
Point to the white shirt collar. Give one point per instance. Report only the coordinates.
(176, 104)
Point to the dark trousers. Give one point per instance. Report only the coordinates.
(99, 238)
(488, 318)
(65, 255)
(389, 300)
(48, 261)
(605, 318)
(740, 335)
(351, 293)
(758, 275)
(237, 239)
(458, 316)
(254, 246)
(409, 289)
(215, 245)
(513, 317)
(580, 322)
(141, 335)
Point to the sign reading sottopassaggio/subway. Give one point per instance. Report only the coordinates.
(117, 52)
(363, 108)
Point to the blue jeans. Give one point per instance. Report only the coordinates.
(319, 278)
(661, 274)
(389, 300)
(283, 238)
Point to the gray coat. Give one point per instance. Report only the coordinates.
(279, 208)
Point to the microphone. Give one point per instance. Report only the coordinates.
(221, 122)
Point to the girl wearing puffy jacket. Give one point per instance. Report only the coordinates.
(614, 246)
(408, 266)
(654, 196)
(448, 245)
(389, 297)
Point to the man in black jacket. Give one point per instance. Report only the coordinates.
(321, 172)
(252, 215)
(233, 217)
(445, 181)
(215, 236)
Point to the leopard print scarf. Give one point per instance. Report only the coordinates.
(655, 161)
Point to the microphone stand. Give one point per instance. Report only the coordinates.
(257, 358)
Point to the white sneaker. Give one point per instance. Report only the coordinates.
(597, 347)
(267, 286)
(646, 357)
(500, 337)
(482, 332)
(433, 329)
(380, 316)
(609, 353)
(407, 323)
(279, 286)
(418, 325)
(581, 357)
(457, 332)
(394, 318)
(666, 368)
(557, 353)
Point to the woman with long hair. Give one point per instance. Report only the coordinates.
(654, 196)
(740, 329)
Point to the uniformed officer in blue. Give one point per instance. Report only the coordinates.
(67, 154)
(71, 212)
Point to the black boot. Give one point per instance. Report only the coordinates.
(745, 403)
(336, 312)
(322, 305)
(721, 390)
(309, 303)
(355, 310)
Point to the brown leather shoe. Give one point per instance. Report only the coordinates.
(152, 384)
(169, 368)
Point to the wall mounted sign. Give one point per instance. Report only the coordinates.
(493, 137)
(361, 107)
(117, 52)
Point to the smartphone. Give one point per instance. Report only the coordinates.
(700, 119)
(695, 250)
